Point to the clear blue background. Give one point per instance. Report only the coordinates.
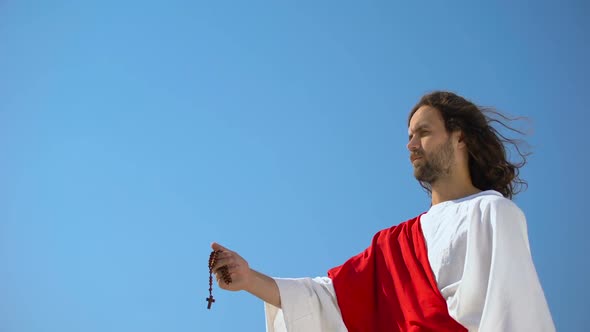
(135, 133)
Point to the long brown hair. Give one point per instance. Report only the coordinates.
(489, 166)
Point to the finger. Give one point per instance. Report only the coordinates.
(221, 280)
(218, 247)
(234, 268)
(230, 268)
(224, 254)
(222, 273)
(221, 262)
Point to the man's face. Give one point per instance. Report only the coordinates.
(431, 149)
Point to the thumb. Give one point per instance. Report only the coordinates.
(216, 246)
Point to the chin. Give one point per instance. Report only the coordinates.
(418, 171)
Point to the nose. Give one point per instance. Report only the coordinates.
(413, 144)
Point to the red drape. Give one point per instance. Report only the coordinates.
(390, 286)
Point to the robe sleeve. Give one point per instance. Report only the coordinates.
(308, 305)
(499, 289)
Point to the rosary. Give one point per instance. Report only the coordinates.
(224, 275)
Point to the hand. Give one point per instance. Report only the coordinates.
(243, 277)
(238, 269)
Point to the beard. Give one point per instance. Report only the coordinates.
(435, 165)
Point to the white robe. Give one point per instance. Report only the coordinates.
(478, 250)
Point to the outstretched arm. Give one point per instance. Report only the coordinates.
(307, 305)
(243, 277)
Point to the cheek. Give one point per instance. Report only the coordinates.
(431, 144)
(426, 145)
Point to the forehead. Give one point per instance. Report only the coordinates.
(426, 116)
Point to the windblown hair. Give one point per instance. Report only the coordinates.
(489, 166)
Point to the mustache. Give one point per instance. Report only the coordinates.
(416, 154)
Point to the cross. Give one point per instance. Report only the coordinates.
(210, 299)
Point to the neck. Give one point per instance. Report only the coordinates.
(447, 190)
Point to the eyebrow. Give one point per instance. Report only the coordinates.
(420, 127)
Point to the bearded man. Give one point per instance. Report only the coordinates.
(463, 265)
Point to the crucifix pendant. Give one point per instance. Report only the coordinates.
(210, 299)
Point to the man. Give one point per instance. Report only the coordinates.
(465, 264)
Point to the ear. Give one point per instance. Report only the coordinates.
(460, 138)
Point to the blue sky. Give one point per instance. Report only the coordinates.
(133, 134)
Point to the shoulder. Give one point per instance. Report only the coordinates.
(402, 228)
(492, 201)
(495, 208)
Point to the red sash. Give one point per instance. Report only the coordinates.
(390, 286)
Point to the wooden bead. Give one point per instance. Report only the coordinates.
(225, 276)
